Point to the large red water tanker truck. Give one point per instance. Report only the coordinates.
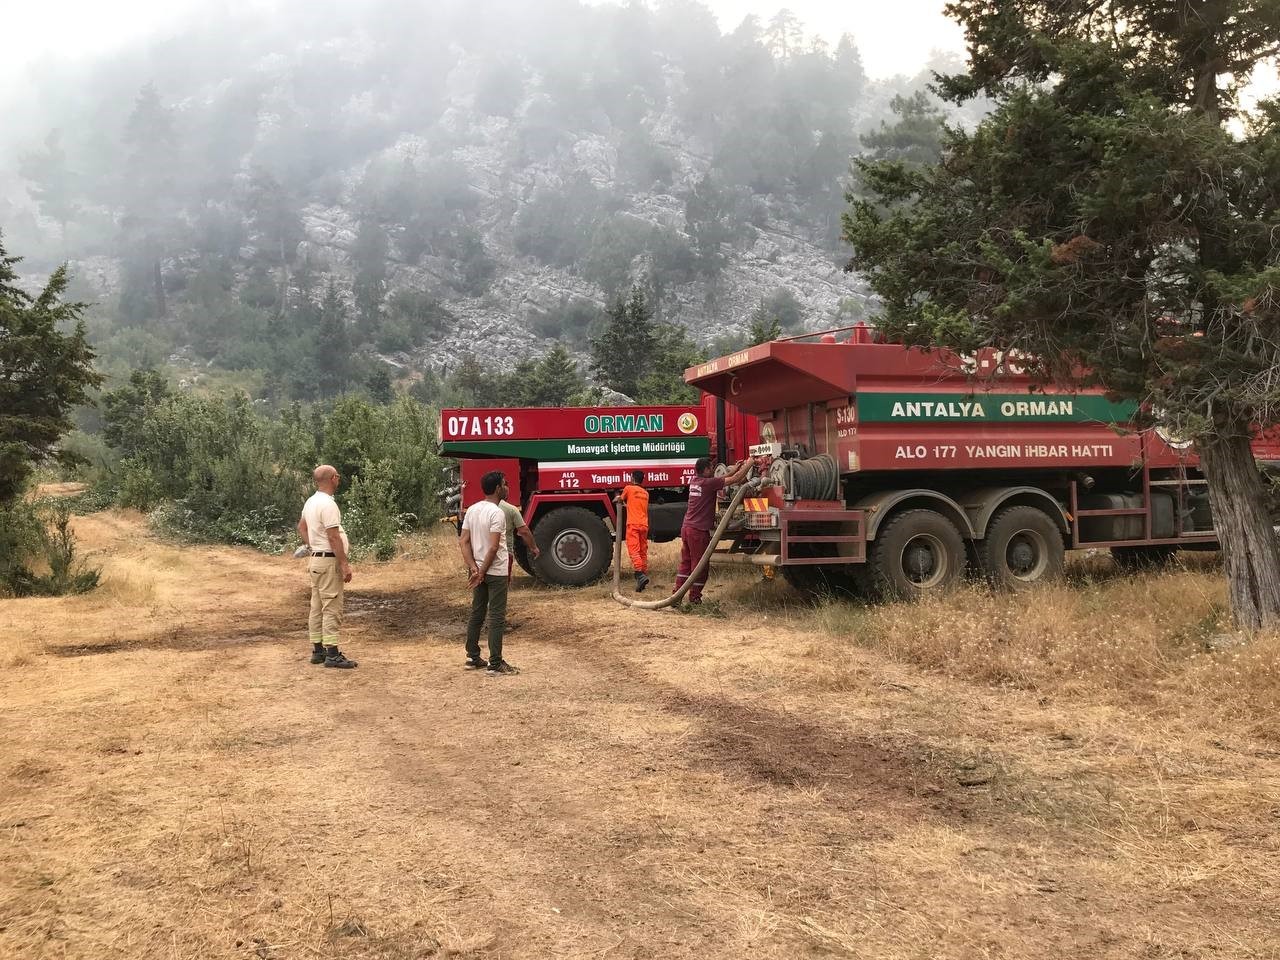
(892, 471)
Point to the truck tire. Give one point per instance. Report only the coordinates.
(576, 547)
(916, 552)
(1023, 546)
(1143, 558)
(522, 558)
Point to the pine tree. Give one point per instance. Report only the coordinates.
(1104, 218)
(150, 204)
(621, 355)
(44, 373)
(370, 283)
(54, 186)
(784, 34)
(333, 346)
(556, 379)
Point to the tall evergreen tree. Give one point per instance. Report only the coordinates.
(332, 345)
(622, 353)
(1104, 218)
(44, 373)
(54, 185)
(150, 203)
(556, 379)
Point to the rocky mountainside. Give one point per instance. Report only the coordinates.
(477, 174)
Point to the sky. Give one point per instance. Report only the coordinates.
(892, 37)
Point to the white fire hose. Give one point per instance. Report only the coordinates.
(619, 535)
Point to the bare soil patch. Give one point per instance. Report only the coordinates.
(779, 781)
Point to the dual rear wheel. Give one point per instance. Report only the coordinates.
(920, 551)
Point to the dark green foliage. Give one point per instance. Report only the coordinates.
(126, 409)
(764, 327)
(557, 225)
(54, 546)
(781, 311)
(641, 358)
(1104, 218)
(21, 540)
(621, 354)
(571, 321)
(44, 373)
(915, 138)
(332, 346)
(673, 353)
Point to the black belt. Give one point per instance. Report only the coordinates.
(323, 553)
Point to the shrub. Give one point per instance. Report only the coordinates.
(55, 544)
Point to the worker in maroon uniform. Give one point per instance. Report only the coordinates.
(699, 518)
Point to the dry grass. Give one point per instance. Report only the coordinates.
(1069, 773)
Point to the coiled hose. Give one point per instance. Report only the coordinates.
(620, 533)
(813, 479)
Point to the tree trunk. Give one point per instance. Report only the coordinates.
(1243, 522)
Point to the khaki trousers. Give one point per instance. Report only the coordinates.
(326, 600)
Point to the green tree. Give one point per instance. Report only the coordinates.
(370, 284)
(150, 204)
(915, 137)
(621, 355)
(709, 220)
(54, 185)
(673, 353)
(1104, 218)
(126, 409)
(44, 373)
(763, 328)
(554, 381)
(780, 310)
(332, 345)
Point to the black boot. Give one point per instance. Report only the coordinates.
(642, 581)
(317, 653)
(334, 658)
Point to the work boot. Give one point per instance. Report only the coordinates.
(317, 653)
(334, 658)
(642, 581)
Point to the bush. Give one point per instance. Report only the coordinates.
(370, 515)
(20, 538)
(55, 544)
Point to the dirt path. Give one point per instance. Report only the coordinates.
(180, 782)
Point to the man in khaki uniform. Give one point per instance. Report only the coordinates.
(321, 529)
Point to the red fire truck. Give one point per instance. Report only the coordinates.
(565, 465)
(891, 470)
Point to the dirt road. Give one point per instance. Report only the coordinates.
(178, 781)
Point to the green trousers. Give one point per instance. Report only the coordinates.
(489, 598)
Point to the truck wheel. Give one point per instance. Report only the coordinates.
(576, 547)
(522, 558)
(1023, 546)
(1139, 559)
(917, 552)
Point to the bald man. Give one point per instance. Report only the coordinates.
(321, 529)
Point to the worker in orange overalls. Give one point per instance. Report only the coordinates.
(636, 499)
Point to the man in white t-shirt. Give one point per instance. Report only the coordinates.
(484, 551)
(321, 529)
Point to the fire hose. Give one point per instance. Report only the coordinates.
(813, 479)
(620, 533)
